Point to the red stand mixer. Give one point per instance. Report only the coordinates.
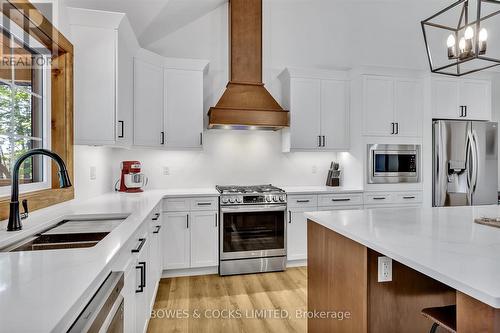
(132, 180)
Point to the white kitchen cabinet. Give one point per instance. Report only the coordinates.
(176, 240)
(393, 199)
(184, 108)
(297, 234)
(155, 254)
(392, 106)
(148, 104)
(129, 287)
(191, 236)
(103, 70)
(461, 98)
(204, 239)
(319, 110)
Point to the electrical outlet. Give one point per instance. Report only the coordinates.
(93, 173)
(384, 269)
(314, 169)
(166, 171)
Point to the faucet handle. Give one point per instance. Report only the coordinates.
(25, 207)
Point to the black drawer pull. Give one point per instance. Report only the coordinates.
(157, 231)
(303, 201)
(289, 216)
(138, 249)
(408, 198)
(340, 200)
(204, 204)
(142, 267)
(379, 198)
(157, 216)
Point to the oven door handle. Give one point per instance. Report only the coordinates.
(249, 209)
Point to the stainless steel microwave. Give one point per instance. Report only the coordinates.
(388, 164)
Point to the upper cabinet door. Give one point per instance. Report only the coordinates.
(124, 92)
(445, 98)
(305, 111)
(475, 95)
(378, 105)
(148, 104)
(408, 107)
(184, 108)
(95, 50)
(335, 114)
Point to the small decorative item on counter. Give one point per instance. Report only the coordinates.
(334, 173)
(492, 222)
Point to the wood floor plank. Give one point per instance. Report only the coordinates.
(248, 302)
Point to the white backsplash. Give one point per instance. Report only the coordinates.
(232, 157)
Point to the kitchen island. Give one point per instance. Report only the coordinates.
(440, 257)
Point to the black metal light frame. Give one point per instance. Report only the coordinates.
(463, 22)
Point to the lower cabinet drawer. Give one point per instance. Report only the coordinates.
(379, 198)
(302, 201)
(408, 197)
(176, 204)
(205, 203)
(340, 200)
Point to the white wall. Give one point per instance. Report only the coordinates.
(230, 157)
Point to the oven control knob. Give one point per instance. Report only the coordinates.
(224, 200)
(238, 200)
(282, 198)
(268, 199)
(275, 198)
(231, 200)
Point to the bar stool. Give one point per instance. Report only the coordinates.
(442, 316)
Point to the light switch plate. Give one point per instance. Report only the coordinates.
(93, 173)
(166, 171)
(384, 269)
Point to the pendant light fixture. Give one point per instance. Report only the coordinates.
(457, 46)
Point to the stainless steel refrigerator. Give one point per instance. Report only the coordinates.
(465, 163)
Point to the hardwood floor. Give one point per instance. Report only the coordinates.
(243, 303)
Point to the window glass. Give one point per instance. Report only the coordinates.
(22, 117)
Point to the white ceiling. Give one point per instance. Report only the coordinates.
(153, 19)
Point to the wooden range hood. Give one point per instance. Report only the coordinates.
(246, 104)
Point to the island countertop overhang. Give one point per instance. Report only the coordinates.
(442, 243)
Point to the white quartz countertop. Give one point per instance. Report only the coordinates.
(442, 243)
(304, 190)
(40, 289)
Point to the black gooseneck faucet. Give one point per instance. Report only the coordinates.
(64, 182)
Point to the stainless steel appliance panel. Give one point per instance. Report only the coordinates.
(465, 163)
(254, 265)
(389, 164)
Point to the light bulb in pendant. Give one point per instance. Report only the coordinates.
(461, 44)
(451, 41)
(469, 33)
(483, 37)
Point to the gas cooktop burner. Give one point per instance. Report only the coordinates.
(232, 189)
(251, 195)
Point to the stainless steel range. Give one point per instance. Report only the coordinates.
(252, 229)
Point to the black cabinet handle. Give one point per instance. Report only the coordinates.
(141, 244)
(157, 216)
(162, 138)
(122, 126)
(289, 216)
(324, 141)
(204, 203)
(379, 198)
(187, 221)
(465, 111)
(397, 128)
(157, 231)
(408, 198)
(201, 139)
(142, 267)
(341, 200)
(303, 201)
(319, 140)
(216, 220)
(393, 129)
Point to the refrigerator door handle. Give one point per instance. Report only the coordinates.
(475, 161)
(469, 164)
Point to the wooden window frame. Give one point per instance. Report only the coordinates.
(20, 12)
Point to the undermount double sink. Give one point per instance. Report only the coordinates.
(77, 232)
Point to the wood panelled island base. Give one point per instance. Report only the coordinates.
(342, 286)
